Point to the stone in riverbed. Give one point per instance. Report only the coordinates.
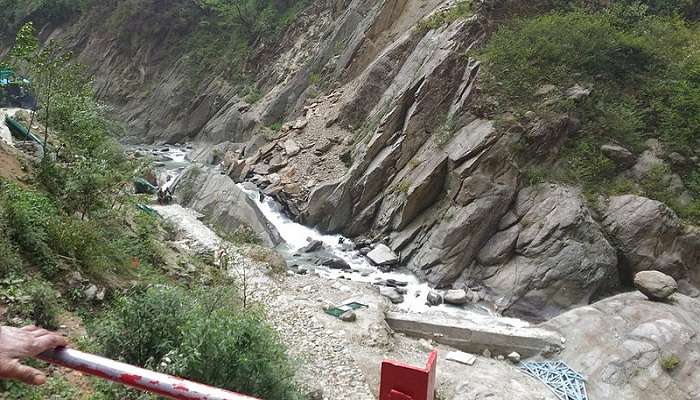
(382, 255)
(434, 298)
(456, 297)
(334, 263)
(314, 245)
(655, 285)
(392, 294)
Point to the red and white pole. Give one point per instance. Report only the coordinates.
(138, 378)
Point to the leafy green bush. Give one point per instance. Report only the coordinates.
(10, 260)
(29, 215)
(32, 300)
(202, 334)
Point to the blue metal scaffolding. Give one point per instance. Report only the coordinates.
(561, 379)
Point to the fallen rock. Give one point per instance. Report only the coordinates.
(382, 255)
(315, 394)
(619, 154)
(577, 92)
(655, 285)
(291, 147)
(91, 293)
(348, 316)
(300, 124)
(220, 199)
(514, 357)
(456, 297)
(392, 294)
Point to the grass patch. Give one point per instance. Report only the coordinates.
(461, 9)
(669, 363)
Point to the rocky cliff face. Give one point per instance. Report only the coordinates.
(387, 134)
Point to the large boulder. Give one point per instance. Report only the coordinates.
(655, 285)
(223, 203)
(650, 236)
(382, 255)
(560, 258)
(630, 348)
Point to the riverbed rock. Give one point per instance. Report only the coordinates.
(619, 344)
(221, 201)
(392, 294)
(434, 298)
(456, 297)
(655, 285)
(382, 255)
(333, 262)
(314, 245)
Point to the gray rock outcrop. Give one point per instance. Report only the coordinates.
(650, 236)
(622, 346)
(560, 258)
(224, 204)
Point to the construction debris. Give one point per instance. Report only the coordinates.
(461, 357)
(561, 379)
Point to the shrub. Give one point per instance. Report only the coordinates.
(10, 260)
(202, 334)
(29, 215)
(34, 301)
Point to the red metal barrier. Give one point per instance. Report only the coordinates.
(405, 382)
(139, 378)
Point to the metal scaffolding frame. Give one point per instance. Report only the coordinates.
(561, 379)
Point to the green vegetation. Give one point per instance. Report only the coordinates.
(670, 363)
(276, 127)
(203, 334)
(404, 186)
(461, 9)
(77, 214)
(230, 30)
(642, 64)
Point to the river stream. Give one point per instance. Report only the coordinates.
(170, 165)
